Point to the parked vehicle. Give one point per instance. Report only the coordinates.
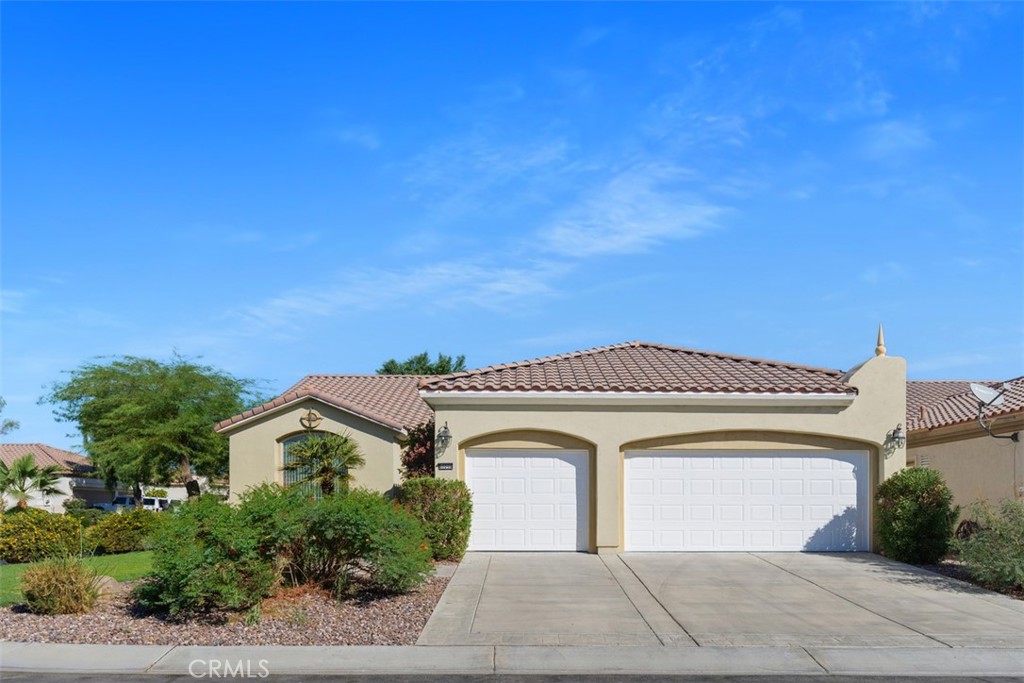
(128, 502)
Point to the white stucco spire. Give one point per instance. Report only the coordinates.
(880, 347)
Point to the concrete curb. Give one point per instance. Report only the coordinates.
(486, 659)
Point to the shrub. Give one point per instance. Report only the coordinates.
(156, 493)
(444, 508)
(363, 533)
(994, 553)
(80, 510)
(125, 532)
(915, 516)
(418, 451)
(279, 517)
(33, 534)
(206, 558)
(60, 585)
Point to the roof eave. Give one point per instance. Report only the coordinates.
(612, 398)
(225, 428)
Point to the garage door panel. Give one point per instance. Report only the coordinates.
(768, 501)
(531, 500)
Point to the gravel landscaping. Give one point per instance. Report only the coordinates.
(296, 616)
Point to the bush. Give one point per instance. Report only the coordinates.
(60, 585)
(156, 493)
(915, 516)
(362, 533)
(33, 534)
(125, 532)
(206, 557)
(80, 510)
(444, 508)
(994, 554)
(279, 517)
(418, 451)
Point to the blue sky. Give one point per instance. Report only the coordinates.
(291, 188)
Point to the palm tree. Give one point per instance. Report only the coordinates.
(325, 461)
(23, 477)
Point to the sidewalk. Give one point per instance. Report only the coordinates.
(477, 659)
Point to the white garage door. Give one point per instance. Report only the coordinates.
(746, 500)
(528, 500)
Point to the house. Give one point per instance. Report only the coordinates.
(635, 446)
(76, 480)
(943, 433)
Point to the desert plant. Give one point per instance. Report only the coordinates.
(994, 553)
(418, 451)
(60, 585)
(444, 508)
(206, 558)
(30, 534)
(324, 461)
(364, 534)
(126, 532)
(23, 477)
(916, 516)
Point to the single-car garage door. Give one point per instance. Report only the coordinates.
(528, 499)
(747, 500)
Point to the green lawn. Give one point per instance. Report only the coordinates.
(126, 567)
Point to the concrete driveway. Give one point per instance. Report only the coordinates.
(715, 599)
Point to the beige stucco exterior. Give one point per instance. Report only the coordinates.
(607, 429)
(976, 466)
(256, 450)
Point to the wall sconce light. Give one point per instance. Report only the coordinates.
(897, 437)
(311, 420)
(443, 439)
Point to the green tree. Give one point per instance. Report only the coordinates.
(325, 461)
(420, 364)
(23, 477)
(149, 422)
(7, 425)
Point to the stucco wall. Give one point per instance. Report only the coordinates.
(255, 447)
(977, 467)
(609, 430)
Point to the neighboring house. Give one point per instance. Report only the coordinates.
(636, 446)
(943, 433)
(76, 480)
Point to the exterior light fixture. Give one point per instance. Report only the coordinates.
(897, 437)
(311, 420)
(443, 439)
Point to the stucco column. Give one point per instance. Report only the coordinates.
(608, 473)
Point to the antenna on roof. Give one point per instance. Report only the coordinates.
(991, 398)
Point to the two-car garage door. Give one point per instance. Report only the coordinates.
(674, 500)
(746, 500)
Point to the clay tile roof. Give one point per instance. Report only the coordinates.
(941, 403)
(45, 456)
(645, 367)
(389, 400)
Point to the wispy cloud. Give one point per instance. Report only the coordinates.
(358, 136)
(12, 300)
(893, 140)
(633, 212)
(482, 284)
(883, 273)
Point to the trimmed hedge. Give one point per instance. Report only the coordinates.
(125, 532)
(31, 534)
(916, 516)
(444, 507)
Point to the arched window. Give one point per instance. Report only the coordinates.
(290, 477)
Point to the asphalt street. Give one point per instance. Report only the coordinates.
(501, 678)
